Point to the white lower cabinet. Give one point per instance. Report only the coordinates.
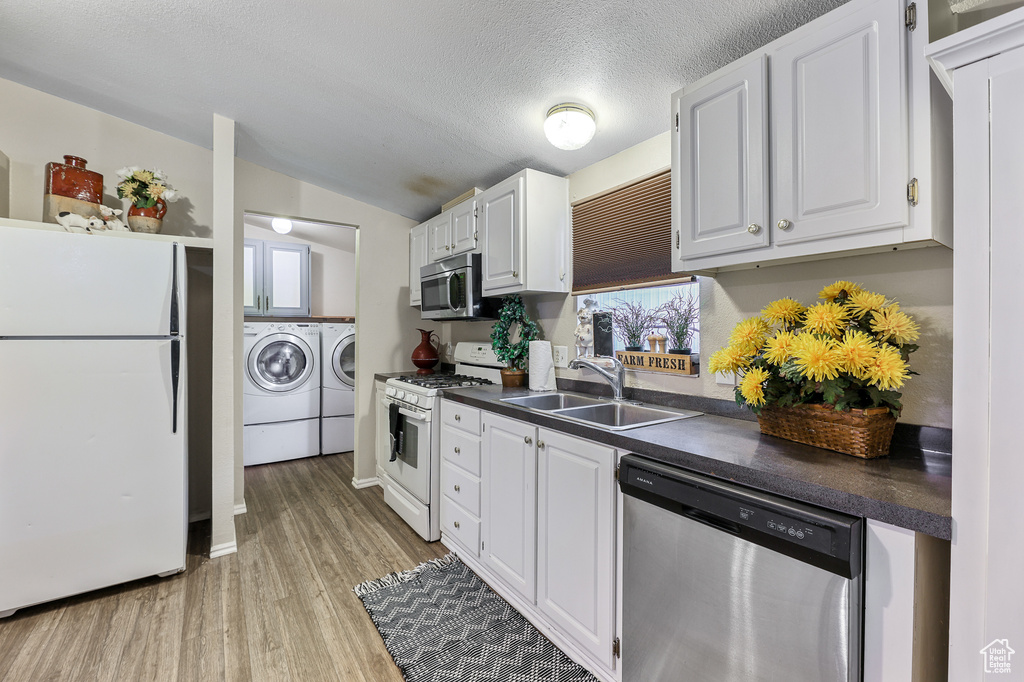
(576, 540)
(545, 533)
(509, 480)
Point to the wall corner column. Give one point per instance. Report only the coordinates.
(227, 340)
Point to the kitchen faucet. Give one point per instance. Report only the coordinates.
(616, 380)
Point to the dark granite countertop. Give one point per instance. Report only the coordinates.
(910, 488)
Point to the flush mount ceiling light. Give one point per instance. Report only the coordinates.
(569, 126)
(281, 225)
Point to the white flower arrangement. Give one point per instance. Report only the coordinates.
(143, 187)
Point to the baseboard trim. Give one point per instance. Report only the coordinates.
(198, 516)
(240, 508)
(223, 549)
(365, 482)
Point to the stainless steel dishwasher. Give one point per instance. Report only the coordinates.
(723, 582)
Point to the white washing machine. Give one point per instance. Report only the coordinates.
(281, 391)
(338, 397)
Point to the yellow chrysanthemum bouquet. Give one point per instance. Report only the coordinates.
(849, 351)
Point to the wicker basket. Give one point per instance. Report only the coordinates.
(861, 433)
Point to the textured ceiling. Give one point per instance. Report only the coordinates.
(403, 104)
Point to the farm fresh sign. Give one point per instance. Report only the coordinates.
(657, 362)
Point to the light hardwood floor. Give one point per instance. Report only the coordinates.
(282, 608)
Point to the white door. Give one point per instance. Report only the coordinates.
(92, 465)
(62, 284)
(418, 257)
(509, 502)
(439, 234)
(501, 223)
(839, 128)
(464, 227)
(720, 150)
(252, 277)
(576, 539)
(286, 279)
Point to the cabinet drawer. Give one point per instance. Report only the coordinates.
(461, 449)
(458, 523)
(459, 416)
(461, 487)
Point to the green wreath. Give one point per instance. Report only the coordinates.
(514, 355)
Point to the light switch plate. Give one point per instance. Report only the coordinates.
(561, 356)
(725, 378)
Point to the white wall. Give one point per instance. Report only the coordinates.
(921, 279)
(37, 128)
(332, 271)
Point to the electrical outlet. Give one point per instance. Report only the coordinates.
(561, 356)
(725, 378)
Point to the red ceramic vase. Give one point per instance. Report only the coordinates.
(71, 179)
(147, 219)
(425, 355)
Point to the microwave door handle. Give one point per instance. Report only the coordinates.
(412, 415)
(448, 285)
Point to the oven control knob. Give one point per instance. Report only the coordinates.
(390, 390)
(400, 395)
(415, 400)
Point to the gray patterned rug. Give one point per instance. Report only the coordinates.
(441, 623)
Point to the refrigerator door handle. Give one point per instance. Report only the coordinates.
(175, 365)
(174, 289)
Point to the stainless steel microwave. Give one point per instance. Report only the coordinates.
(450, 290)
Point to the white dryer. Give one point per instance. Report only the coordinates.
(281, 391)
(337, 421)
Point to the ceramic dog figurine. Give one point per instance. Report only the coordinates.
(110, 218)
(72, 222)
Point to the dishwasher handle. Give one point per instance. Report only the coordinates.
(830, 540)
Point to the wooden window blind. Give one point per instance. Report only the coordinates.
(623, 239)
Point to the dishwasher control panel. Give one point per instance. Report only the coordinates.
(788, 526)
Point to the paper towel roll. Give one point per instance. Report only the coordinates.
(542, 366)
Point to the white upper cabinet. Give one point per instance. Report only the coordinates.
(275, 277)
(463, 228)
(722, 162)
(839, 129)
(439, 236)
(821, 143)
(524, 228)
(418, 257)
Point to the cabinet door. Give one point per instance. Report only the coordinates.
(839, 128)
(509, 505)
(576, 539)
(252, 277)
(439, 236)
(720, 157)
(464, 227)
(286, 279)
(501, 223)
(418, 257)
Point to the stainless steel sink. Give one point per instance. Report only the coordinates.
(600, 412)
(548, 402)
(621, 416)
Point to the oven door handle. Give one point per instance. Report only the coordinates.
(412, 415)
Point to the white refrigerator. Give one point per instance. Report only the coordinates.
(92, 413)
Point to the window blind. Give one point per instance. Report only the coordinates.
(623, 239)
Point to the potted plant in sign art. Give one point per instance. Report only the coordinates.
(825, 375)
(510, 340)
(679, 315)
(633, 323)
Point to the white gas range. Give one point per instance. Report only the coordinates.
(411, 404)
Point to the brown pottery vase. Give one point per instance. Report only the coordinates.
(70, 186)
(513, 378)
(149, 220)
(425, 355)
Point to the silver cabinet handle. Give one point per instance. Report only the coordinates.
(784, 224)
(457, 488)
(540, 445)
(458, 418)
(456, 524)
(528, 440)
(753, 228)
(457, 450)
